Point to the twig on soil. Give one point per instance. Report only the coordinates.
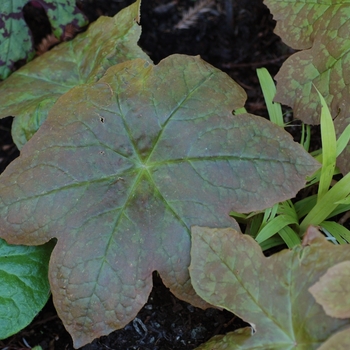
(191, 17)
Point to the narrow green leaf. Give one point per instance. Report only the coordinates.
(344, 201)
(329, 152)
(343, 140)
(273, 226)
(272, 242)
(341, 208)
(305, 136)
(254, 225)
(327, 204)
(289, 236)
(341, 233)
(269, 91)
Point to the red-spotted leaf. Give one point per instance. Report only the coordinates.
(29, 93)
(121, 170)
(321, 29)
(229, 270)
(333, 289)
(15, 37)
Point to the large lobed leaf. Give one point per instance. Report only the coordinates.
(29, 93)
(121, 170)
(332, 290)
(15, 36)
(321, 29)
(24, 285)
(229, 270)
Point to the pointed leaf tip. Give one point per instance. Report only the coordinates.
(126, 166)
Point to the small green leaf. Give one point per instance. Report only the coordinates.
(29, 93)
(333, 289)
(121, 170)
(228, 270)
(24, 285)
(15, 37)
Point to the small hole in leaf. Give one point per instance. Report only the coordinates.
(102, 120)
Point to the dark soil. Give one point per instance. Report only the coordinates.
(236, 37)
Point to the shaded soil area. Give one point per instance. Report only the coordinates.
(236, 37)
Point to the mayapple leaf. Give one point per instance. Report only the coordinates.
(338, 341)
(333, 289)
(24, 285)
(29, 93)
(321, 30)
(229, 270)
(121, 170)
(15, 36)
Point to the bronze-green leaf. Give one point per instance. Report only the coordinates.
(229, 270)
(29, 93)
(121, 170)
(321, 29)
(338, 341)
(333, 289)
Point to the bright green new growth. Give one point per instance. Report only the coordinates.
(269, 92)
(229, 270)
(24, 285)
(108, 41)
(15, 38)
(321, 30)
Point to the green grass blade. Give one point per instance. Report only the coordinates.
(305, 136)
(272, 242)
(269, 214)
(287, 208)
(304, 206)
(339, 232)
(289, 236)
(327, 204)
(341, 208)
(269, 90)
(343, 140)
(329, 149)
(344, 201)
(273, 226)
(254, 225)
